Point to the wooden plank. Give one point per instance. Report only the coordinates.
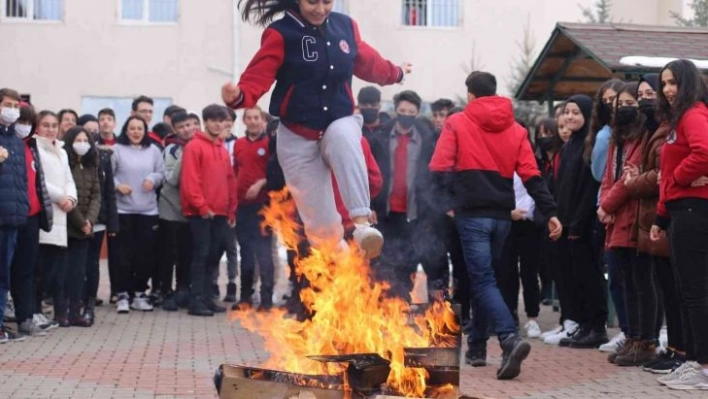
(236, 386)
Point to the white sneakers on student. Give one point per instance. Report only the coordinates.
(533, 330)
(614, 344)
(548, 333)
(123, 303)
(369, 240)
(141, 302)
(569, 328)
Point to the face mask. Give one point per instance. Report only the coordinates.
(370, 115)
(22, 130)
(81, 148)
(545, 143)
(646, 107)
(626, 115)
(8, 116)
(406, 121)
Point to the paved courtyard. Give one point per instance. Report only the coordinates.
(173, 355)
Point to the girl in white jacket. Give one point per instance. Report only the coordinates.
(62, 191)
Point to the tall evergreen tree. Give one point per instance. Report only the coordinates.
(525, 111)
(599, 13)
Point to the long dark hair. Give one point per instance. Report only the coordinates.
(634, 130)
(599, 119)
(263, 11)
(549, 125)
(91, 157)
(125, 140)
(691, 89)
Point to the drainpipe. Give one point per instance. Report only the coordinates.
(236, 61)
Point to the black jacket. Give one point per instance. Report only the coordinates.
(46, 215)
(427, 201)
(108, 215)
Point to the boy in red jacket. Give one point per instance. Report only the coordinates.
(208, 195)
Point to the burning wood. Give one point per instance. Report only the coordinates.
(357, 332)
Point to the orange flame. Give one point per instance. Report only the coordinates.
(352, 314)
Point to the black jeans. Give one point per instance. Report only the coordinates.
(640, 298)
(688, 235)
(207, 239)
(584, 283)
(23, 268)
(75, 271)
(175, 254)
(53, 263)
(666, 283)
(93, 260)
(521, 251)
(135, 253)
(435, 261)
(113, 246)
(255, 245)
(398, 260)
(463, 286)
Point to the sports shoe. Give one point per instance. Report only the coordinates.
(9, 335)
(532, 329)
(369, 240)
(30, 329)
(42, 322)
(676, 374)
(665, 363)
(230, 293)
(476, 356)
(691, 379)
(9, 314)
(615, 343)
(555, 331)
(141, 302)
(640, 354)
(569, 328)
(123, 303)
(514, 351)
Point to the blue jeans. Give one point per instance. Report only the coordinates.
(8, 239)
(482, 244)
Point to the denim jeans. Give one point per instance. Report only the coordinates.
(23, 269)
(8, 239)
(208, 236)
(482, 244)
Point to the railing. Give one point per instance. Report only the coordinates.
(33, 10)
(439, 13)
(159, 11)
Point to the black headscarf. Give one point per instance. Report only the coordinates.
(585, 104)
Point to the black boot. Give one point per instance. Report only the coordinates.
(592, 340)
(211, 305)
(514, 351)
(61, 312)
(230, 293)
(198, 308)
(89, 315)
(75, 318)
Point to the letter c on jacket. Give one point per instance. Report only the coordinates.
(310, 56)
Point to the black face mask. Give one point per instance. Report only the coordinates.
(626, 115)
(545, 143)
(370, 115)
(406, 121)
(646, 106)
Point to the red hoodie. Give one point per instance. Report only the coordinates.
(207, 182)
(684, 159)
(375, 183)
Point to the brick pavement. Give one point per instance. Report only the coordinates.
(172, 355)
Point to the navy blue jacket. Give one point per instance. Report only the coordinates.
(313, 67)
(14, 202)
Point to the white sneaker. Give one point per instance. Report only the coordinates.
(693, 378)
(369, 240)
(9, 314)
(42, 322)
(532, 329)
(679, 372)
(141, 302)
(555, 331)
(614, 344)
(569, 328)
(30, 329)
(123, 303)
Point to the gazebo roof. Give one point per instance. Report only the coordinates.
(578, 58)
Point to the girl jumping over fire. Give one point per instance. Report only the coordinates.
(311, 53)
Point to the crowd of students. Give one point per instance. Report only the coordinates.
(625, 173)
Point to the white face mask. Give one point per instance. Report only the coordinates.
(22, 130)
(81, 148)
(8, 116)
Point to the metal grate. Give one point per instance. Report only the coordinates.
(37, 10)
(442, 13)
(149, 10)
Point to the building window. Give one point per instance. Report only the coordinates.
(122, 107)
(441, 13)
(33, 10)
(150, 11)
(341, 6)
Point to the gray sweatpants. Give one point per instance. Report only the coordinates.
(308, 165)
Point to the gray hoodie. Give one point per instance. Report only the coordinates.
(170, 203)
(132, 166)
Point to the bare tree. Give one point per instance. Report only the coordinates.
(474, 64)
(599, 13)
(525, 111)
(700, 15)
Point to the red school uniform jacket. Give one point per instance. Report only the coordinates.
(250, 164)
(207, 181)
(375, 183)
